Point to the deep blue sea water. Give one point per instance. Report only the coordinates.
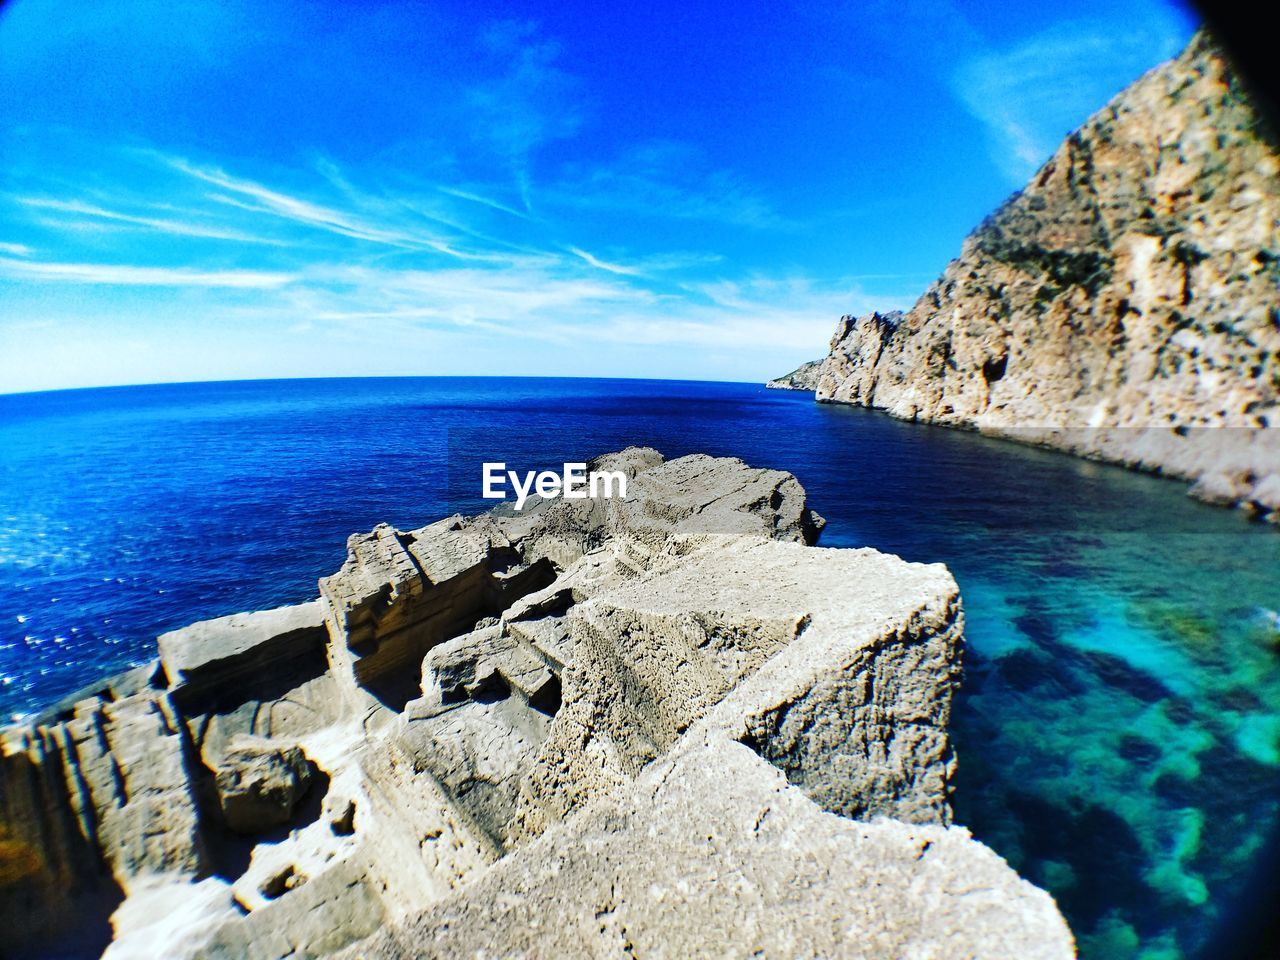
(1118, 731)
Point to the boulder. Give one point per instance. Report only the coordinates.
(259, 784)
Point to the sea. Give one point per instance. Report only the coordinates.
(1118, 726)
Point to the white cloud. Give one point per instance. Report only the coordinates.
(485, 201)
(160, 224)
(144, 276)
(394, 221)
(788, 316)
(603, 264)
(508, 285)
(266, 200)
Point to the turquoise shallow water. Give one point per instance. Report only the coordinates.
(1118, 730)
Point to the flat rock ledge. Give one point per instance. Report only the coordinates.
(666, 726)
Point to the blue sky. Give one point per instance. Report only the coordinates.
(228, 190)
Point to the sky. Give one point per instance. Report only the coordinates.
(242, 190)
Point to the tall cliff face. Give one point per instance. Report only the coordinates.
(1125, 305)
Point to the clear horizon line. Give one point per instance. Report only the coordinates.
(425, 376)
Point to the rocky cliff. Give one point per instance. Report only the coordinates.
(1125, 305)
(667, 725)
(803, 377)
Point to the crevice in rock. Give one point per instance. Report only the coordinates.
(282, 882)
(994, 368)
(490, 688)
(548, 699)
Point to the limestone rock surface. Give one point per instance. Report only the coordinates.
(710, 853)
(223, 652)
(1125, 305)
(667, 722)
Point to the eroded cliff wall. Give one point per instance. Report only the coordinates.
(1125, 305)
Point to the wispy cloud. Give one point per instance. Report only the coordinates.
(666, 180)
(16, 249)
(1032, 94)
(144, 276)
(515, 299)
(604, 265)
(422, 256)
(530, 102)
(181, 228)
(790, 315)
(263, 199)
(397, 223)
(484, 201)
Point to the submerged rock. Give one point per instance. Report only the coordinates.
(1122, 306)
(667, 723)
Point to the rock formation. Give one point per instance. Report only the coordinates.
(259, 784)
(803, 377)
(1124, 306)
(667, 724)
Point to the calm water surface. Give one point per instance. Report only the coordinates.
(1119, 727)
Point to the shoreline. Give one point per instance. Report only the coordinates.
(1099, 445)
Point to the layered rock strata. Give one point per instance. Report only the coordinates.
(1125, 305)
(667, 724)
